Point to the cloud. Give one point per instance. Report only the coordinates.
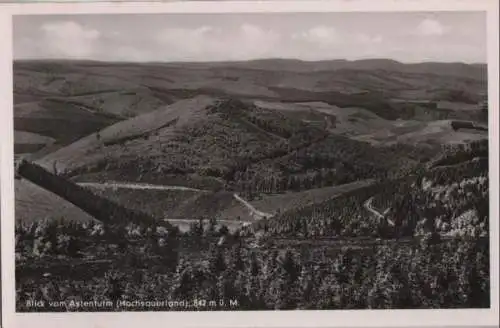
(229, 37)
(431, 27)
(69, 39)
(252, 31)
(249, 41)
(245, 42)
(189, 36)
(369, 39)
(253, 42)
(321, 35)
(188, 44)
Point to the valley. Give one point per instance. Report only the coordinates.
(210, 179)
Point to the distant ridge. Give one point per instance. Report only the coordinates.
(381, 61)
(474, 70)
(439, 68)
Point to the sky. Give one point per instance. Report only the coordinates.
(405, 36)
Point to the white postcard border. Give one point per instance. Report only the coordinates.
(357, 318)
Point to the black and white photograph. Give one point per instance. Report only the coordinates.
(252, 161)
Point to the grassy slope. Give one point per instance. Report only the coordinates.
(34, 203)
(57, 124)
(27, 142)
(159, 203)
(114, 140)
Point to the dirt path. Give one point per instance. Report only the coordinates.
(253, 211)
(256, 214)
(135, 185)
(329, 125)
(383, 216)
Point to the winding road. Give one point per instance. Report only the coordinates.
(383, 216)
(255, 213)
(135, 185)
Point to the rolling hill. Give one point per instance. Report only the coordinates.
(278, 132)
(364, 125)
(225, 143)
(52, 124)
(51, 96)
(27, 142)
(148, 84)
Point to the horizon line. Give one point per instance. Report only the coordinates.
(394, 61)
